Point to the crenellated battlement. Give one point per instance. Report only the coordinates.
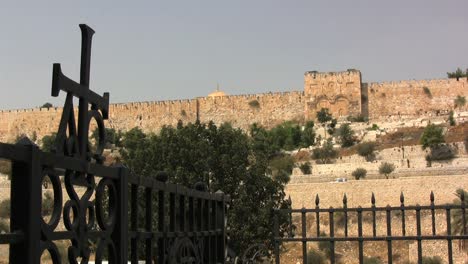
(343, 93)
(418, 83)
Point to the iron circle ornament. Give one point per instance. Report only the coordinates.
(106, 223)
(183, 251)
(49, 227)
(53, 251)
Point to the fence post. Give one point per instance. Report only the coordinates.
(26, 206)
(120, 234)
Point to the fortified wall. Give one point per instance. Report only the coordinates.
(241, 111)
(343, 93)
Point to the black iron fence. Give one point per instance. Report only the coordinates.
(307, 226)
(106, 211)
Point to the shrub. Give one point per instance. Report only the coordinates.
(305, 168)
(324, 246)
(4, 226)
(372, 260)
(451, 119)
(441, 152)
(366, 149)
(359, 173)
(386, 168)
(281, 165)
(346, 135)
(432, 260)
(359, 118)
(325, 153)
(5, 208)
(431, 136)
(48, 142)
(254, 104)
(459, 101)
(183, 113)
(373, 127)
(315, 257)
(427, 92)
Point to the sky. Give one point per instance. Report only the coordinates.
(165, 50)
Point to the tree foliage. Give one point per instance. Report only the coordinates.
(48, 142)
(325, 153)
(112, 136)
(327, 121)
(47, 105)
(432, 136)
(458, 73)
(386, 168)
(226, 159)
(460, 101)
(345, 136)
(305, 168)
(287, 136)
(359, 173)
(366, 150)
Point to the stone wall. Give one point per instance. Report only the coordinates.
(414, 98)
(342, 92)
(241, 111)
(409, 161)
(387, 192)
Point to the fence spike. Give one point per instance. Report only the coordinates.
(373, 199)
(432, 197)
(462, 196)
(345, 199)
(402, 198)
(317, 200)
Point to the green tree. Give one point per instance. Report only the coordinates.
(457, 74)
(386, 168)
(308, 134)
(451, 119)
(460, 101)
(326, 119)
(112, 136)
(346, 136)
(366, 150)
(359, 173)
(47, 105)
(325, 153)
(305, 168)
(48, 142)
(432, 136)
(286, 136)
(226, 159)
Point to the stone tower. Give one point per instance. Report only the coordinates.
(340, 92)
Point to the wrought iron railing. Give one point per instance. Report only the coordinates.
(308, 232)
(100, 219)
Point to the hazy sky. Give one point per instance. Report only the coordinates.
(158, 50)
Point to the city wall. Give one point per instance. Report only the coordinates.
(241, 111)
(414, 98)
(342, 92)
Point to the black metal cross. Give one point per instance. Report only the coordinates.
(76, 144)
